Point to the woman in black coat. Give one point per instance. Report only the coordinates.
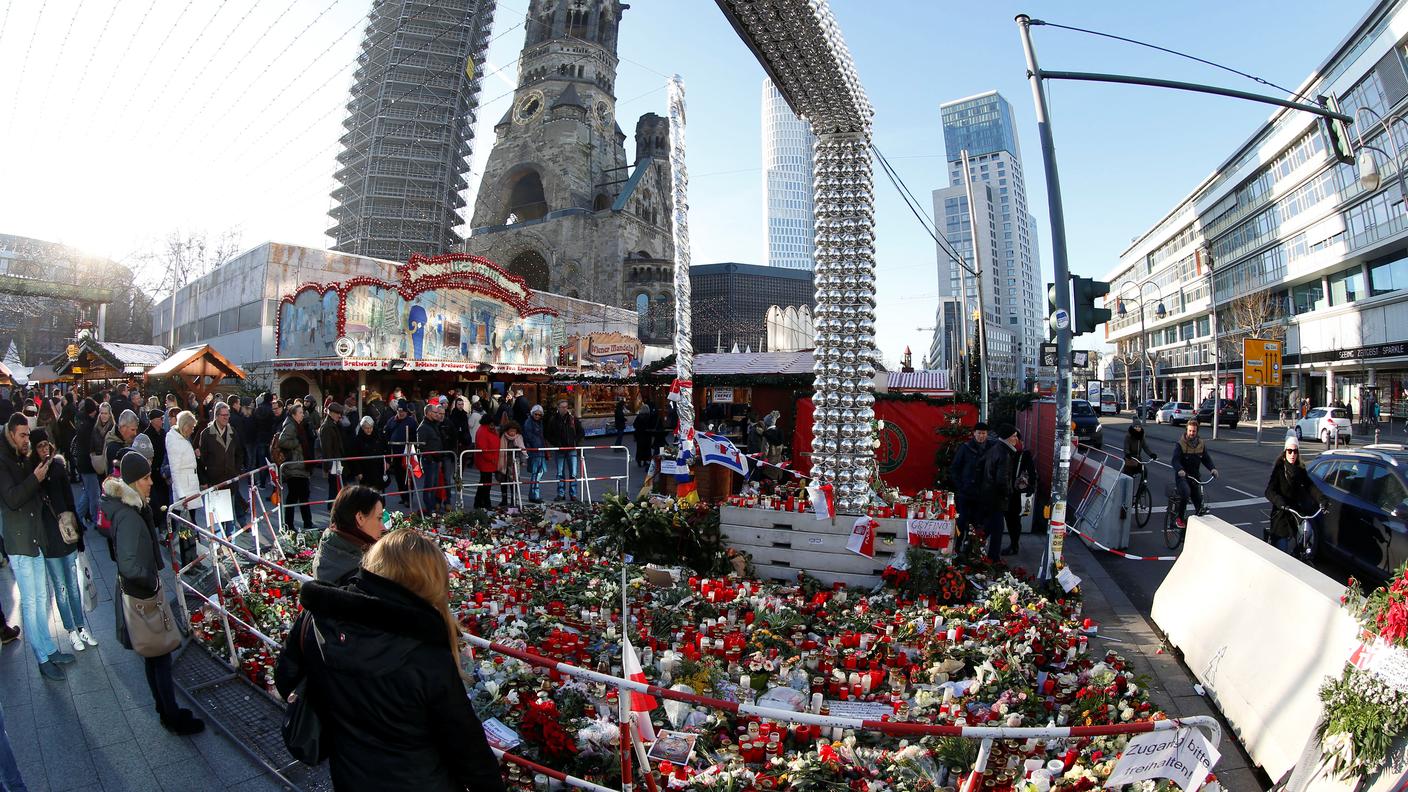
(368, 442)
(1290, 487)
(60, 557)
(644, 427)
(381, 660)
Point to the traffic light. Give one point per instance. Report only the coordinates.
(1087, 316)
(1051, 311)
(1337, 137)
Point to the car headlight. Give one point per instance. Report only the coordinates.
(1098, 427)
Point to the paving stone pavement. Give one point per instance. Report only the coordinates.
(97, 730)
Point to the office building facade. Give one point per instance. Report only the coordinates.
(1287, 243)
(410, 122)
(787, 183)
(729, 302)
(983, 126)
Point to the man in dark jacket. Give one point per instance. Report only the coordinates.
(119, 438)
(999, 485)
(330, 436)
(81, 456)
(1190, 453)
(20, 484)
(242, 418)
(265, 425)
(521, 406)
(221, 457)
(161, 485)
(534, 438)
(430, 441)
(965, 472)
(400, 431)
(565, 431)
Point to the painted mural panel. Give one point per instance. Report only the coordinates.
(444, 324)
(308, 325)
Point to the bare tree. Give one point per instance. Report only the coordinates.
(181, 258)
(1256, 315)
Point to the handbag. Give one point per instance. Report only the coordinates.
(68, 527)
(99, 463)
(151, 627)
(302, 728)
(85, 583)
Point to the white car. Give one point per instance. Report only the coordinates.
(1323, 423)
(1175, 413)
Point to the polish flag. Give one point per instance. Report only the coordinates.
(823, 499)
(862, 539)
(641, 703)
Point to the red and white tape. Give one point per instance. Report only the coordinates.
(1120, 553)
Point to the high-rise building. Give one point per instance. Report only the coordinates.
(410, 121)
(787, 182)
(983, 126)
(560, 205)
(729, 302)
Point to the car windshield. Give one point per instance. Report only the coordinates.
(1184, 406)
(1339, 412)
(1081, 408)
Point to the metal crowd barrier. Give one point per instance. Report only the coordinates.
(582, 476)
(415, 494)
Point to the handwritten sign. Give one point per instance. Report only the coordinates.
(500, 735)
(1388, 663)
(1068, 579)
(865, 710)
(933, 534)
(1184, 757)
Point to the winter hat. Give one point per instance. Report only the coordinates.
(537, 409)
(1291, 443)
(980, 427)
(37, 436)
(1006, 430)
(143, 445)
(134, 466)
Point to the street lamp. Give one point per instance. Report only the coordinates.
(1368, 165)
(1159, 312)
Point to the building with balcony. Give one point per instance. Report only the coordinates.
(1285, 242)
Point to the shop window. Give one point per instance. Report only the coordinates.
(1388, 276)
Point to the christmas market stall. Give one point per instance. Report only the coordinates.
(93, 365)
(199, 369)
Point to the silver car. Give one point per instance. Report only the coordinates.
(1176, 413)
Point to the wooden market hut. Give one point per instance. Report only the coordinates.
(199, 368)
(108, 362)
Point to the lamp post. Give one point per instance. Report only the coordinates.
(1369, 176)
(1160, 312)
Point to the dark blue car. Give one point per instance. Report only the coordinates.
(1366, 524)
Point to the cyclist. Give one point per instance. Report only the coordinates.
(1134, 442)
(1189, 453)
(1290, 487)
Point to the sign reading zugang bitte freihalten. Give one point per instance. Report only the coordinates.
(1184, 757)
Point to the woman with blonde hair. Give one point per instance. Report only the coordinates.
(181, 460)
(381, 659)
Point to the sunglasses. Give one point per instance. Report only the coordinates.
(1292, 451)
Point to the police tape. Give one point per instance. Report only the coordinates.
(1122, 554)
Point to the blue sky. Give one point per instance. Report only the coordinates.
(122, 127)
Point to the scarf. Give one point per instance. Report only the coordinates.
(223, 438)
(1193, 449)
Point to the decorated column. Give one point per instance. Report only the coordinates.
(683, 388)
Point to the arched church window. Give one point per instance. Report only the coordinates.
(603, 30)
(526, 200)
(643, 314)
(532, 268)
(602, 201)
(578, 24)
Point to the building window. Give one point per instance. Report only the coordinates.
(1307, 297)
(1388, 276)
(1347, 286)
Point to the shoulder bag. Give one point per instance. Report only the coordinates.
(302, 727)
(151, 627)
(68, 522)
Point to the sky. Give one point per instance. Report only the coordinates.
(122, 121)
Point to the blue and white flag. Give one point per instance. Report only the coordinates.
(719, 450)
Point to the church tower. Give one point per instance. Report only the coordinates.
(560, 205)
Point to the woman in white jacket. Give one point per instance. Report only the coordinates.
(181, 458)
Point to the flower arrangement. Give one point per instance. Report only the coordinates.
(976, 644)
(1365, 712)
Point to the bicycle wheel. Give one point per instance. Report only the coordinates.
(1173, 534)
(1143, 505)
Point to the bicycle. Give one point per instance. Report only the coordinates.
(1306, 543)
(1174, 529)
(1143, 500)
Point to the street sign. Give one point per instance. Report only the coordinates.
(1062, 318)
(1261, 362)
(1048, 354)
(1080, 358)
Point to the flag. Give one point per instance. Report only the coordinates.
(685, 489)
(822, 499)
(413, 461)
(862, 539)
(675, 388)
(719, 450)
(641, 703)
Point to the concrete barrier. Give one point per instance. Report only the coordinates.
(1260, 630)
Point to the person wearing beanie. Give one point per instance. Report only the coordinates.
(1290, 487)
(999, 485)
(127, 503)
(965, 476)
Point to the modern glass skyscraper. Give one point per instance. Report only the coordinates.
(409, 124)
(983, 125)
(787, 183)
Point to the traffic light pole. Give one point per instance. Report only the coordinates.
(1061, 460)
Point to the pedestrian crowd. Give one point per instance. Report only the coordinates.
(993, 478)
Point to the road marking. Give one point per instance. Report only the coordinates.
(1219, 505)
(1241, 492)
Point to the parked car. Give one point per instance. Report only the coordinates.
(1109, 404)
(1366, 524)
(1323, 423)
(1149, 409)
(1086, 423)
(1175, 413)
(1228, 414)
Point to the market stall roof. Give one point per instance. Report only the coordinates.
(926, 381)
(200, 360)
(6, 376)
(119, 357)
(42, 374)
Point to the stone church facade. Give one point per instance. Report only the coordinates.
(559, 205)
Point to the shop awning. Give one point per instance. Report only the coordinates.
(42, 375)
(202, 360)
(91, 359)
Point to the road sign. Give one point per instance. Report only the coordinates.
(1080, 358)
(1261, 362)
(1048, 354)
